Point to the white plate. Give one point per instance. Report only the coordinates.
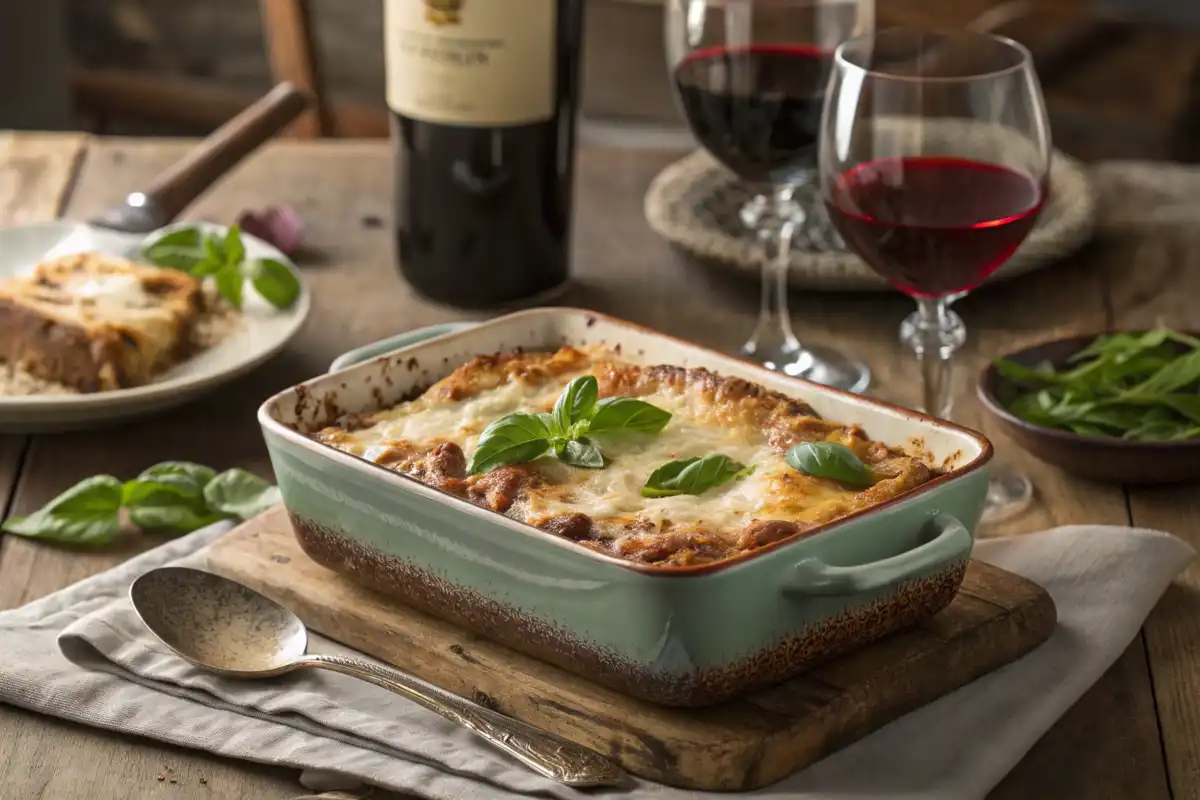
(263, 331)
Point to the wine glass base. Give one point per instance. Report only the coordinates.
(1008, 494)
(814, 363)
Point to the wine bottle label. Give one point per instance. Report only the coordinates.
(470, 62)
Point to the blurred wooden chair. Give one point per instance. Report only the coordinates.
(1081, 54)
(292, 54)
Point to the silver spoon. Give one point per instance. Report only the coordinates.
(229, 629)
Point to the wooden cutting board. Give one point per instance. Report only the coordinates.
(742, 745)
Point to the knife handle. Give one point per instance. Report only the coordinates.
(185, 180)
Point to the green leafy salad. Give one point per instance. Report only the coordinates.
(1142, 387)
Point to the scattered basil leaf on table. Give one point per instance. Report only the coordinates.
(1138, 387)
(693, 475)
(830, 460)
(174, 495)
(223, 257)
(238, 493)
(563, 433)
(88, 514)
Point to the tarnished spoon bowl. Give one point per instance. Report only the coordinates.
(225, 627)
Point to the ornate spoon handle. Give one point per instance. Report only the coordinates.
(550, 755)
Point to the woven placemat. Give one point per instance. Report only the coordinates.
(695, 202)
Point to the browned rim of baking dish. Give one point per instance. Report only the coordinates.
(986, 451)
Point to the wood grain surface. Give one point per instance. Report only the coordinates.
(1135, 735)
(742, 745)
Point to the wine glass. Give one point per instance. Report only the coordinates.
(750, 77)
(934, 162)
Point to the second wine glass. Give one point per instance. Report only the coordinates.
(750, 77)
(935, 162)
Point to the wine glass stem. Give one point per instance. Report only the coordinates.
(935, 333)
(775, 228)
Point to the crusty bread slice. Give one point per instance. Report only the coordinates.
(95, 322)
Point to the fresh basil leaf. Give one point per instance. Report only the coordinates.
(239, 493)
(581, 452)
(229, 284)
(235, 251)
(183, 519)
(576, 402)
(512, 439)
(156, 509)
(184, 259)
(214, 248)
(830, 460)
(180, 249)
(188, 476)
(627, 414)
(693, 476)
(275, 281)
(180, 237)
(88, 513)
(548, 420)
(170, 495)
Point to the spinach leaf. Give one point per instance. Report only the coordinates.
(830, 460)
(1140, 387)
(693, 475)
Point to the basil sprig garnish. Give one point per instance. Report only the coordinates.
(830, 460)
(519, 437)
(201, 254)
(693, 475)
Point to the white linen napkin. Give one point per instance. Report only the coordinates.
(82, 655)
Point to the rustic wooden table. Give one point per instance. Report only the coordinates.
(1136, 734)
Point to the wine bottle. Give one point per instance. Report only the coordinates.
(483, 95)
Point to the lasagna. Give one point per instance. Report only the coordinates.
(433, 438)
(95, 323)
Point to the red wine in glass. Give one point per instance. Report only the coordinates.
(750, 79)
(756, 109)
(933, 226)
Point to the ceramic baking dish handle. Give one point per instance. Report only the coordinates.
(391, 343)
(951, 544)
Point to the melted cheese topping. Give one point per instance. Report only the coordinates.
(110, 292)
(613, 495)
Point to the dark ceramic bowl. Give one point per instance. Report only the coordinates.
(1096, 458)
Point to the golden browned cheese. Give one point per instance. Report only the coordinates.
(432, 437)
(95, 322)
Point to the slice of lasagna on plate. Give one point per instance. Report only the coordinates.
(94, 322)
